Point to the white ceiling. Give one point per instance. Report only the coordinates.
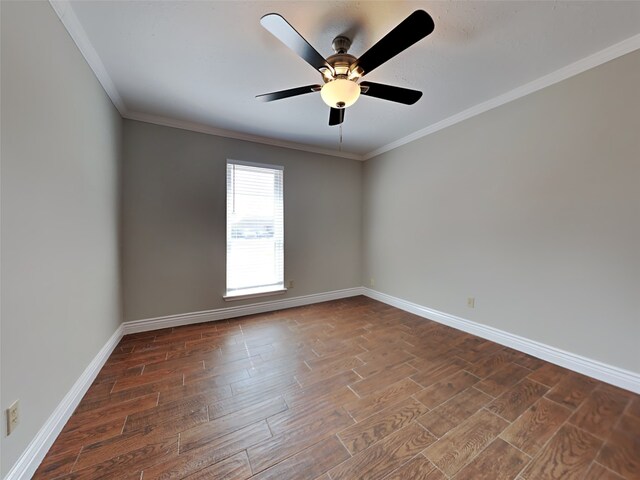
(199, 64)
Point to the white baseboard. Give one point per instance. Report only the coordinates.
(31, 458)
(136, 326)
(592, 368)
(35, 452)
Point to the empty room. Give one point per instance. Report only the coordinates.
(344, 240)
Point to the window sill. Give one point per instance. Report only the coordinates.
(243, 296)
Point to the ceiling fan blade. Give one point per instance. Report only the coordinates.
(336, 116)
(391, 93)
(283, 31)
(413, 28)
(292, 92)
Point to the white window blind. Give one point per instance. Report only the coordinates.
(255, 228)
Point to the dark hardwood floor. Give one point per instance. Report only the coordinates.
(344, 390)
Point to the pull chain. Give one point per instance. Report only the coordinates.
(340, 146)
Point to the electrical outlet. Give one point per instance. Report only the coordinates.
(471, 302)
(290, 284)
(13, 416)
(372, 282)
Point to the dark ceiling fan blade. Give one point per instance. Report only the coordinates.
(413, 28)
(292, 92)
(283, 31)
(391, 93)
(336, 116)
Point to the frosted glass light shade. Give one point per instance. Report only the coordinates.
(340, 93)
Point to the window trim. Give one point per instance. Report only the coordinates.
(268, 291)
(243, 296)
(254, 164)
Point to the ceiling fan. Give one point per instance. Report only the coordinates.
(341, 72)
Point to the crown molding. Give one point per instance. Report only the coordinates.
(64, 10)
(201, 128)
(70, 21)
(598, 58)
(68, 18)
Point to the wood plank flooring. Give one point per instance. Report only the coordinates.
(345, 390)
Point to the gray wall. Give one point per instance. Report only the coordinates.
(174, 210)
(532, 208)
(60, 165)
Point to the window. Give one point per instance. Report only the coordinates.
(255, 229)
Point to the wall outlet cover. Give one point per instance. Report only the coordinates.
(13, 416)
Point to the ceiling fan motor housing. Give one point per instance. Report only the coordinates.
(342, 63)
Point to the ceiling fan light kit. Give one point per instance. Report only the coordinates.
(341, 72)
(340, 93)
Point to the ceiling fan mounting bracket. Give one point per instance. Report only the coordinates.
(341, 44)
